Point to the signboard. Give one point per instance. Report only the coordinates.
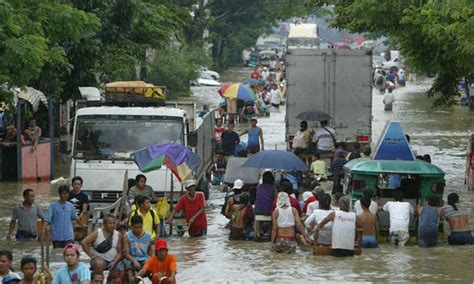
(392, 144)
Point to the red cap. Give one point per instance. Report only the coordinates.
(161, 244)
(73, 246)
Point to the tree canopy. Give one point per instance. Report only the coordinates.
(56, 46)
(435, 36)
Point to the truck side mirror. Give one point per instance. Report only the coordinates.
(192, 139)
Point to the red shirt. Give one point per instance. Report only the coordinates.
(294, 203)
(218, 133)
(191, 207)
(308, 201)
(255, 75)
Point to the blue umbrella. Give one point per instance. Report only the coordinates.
(276, 159)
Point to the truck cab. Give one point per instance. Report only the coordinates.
(106, 135)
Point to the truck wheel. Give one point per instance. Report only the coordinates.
(203, 186)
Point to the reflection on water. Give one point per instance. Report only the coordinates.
(441, 134)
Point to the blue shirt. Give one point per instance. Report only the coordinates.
(139, 247)
(80, 274)
(394, 181)
(337, 166)
(60, 217)
(428, 226)
(253, 134)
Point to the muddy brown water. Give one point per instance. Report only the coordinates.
(442, 134)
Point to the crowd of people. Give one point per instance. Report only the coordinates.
(310, 216)
(126, 246)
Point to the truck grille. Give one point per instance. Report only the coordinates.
(105, 196)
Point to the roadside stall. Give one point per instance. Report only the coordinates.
(29, 154)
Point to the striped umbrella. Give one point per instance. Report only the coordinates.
(176, 157)
(239, 91)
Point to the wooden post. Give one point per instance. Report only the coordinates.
(171, 201)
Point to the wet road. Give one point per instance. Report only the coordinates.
(442, 134)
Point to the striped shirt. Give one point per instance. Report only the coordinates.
(449, 212)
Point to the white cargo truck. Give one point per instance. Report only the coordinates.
(334, 81)
(107, 132)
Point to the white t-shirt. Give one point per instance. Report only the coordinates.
(316, 217)
(324, 138)
(301, 139)
(343, 230)
(399, 215)
(388, 98)
(311, 207)
(264, 75)
(373, 207)
(275, 97)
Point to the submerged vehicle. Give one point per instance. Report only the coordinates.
(417, 180)
(249, 176)
(207, 80)
(108, 129)
(265, 57)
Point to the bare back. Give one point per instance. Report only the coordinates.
(368, 223)
(458, 219)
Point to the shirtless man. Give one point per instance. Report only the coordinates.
(457, 216)
(368, 222)
(242, 218)
(32, 134)
(284, 219)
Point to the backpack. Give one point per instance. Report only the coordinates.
(152, 212)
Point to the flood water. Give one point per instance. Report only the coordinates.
(442, 134)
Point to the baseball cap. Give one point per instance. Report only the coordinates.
(73, 246)
(238, 184)
(189, 183)
(161, 244)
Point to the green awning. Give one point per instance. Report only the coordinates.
(375, 167)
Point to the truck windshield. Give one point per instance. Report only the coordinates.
(109, 139)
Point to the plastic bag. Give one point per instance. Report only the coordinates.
(162, 208)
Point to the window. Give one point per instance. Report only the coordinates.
(113, 139)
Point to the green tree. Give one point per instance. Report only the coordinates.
(236, 24)
(175, 68)
(436, 36)
(34, 41)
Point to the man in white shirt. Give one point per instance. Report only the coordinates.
(265, 73)
(343, 229)
(275, 97)
(373, 208)
(301, 139)
(324, 138)
(388, 100)
(399, 219)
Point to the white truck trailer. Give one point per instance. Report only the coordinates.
(334, 81)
